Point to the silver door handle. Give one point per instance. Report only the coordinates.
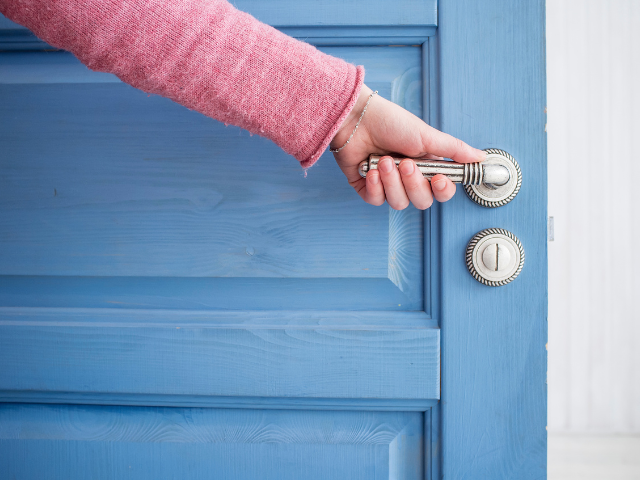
(464, 173)
(492, 183)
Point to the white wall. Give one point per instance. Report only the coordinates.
(593, 69)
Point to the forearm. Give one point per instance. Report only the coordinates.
(209, 57)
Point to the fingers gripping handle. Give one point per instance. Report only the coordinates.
(492, 183)
(464, 173)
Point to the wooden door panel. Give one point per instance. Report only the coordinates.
(144, 245)
(157, 255)
(176, 443)
(53, 352)
(151, 258)
(102, 180)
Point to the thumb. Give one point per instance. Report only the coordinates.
(444, 145)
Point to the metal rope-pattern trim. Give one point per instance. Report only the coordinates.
(472, 245)
(489, 204)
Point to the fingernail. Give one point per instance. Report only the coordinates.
(375, 177)
(406, 168)
(385, 165)
(482, 155)
(439, 185)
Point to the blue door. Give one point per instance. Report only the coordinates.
(177, 301)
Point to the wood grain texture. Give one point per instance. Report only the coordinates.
(134, 356)
(205, 401)
(221, 293)
(594, 324)
(309, 319)
(492, 85)
(59, 343)
(67, 442)
(175, 195)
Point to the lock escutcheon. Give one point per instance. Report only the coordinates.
(495, 257)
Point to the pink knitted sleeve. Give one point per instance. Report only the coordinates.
(209, 57)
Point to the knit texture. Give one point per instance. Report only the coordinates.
(209, 57)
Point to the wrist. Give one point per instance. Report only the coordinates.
(352, 119)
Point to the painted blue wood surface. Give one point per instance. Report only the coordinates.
(178, 443)
(136, 283)
(171, 265)
(139, 353)
(180, 195)
(492, 94)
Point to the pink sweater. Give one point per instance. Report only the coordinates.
(209, 57)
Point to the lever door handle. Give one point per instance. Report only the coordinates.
(464, 173)
(492, 183)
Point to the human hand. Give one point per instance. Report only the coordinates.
(389, 128)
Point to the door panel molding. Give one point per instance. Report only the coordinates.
(404, 22)
(88, 316)
(86, 204)
(155, 442)
(174, 359)
(203, 401)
